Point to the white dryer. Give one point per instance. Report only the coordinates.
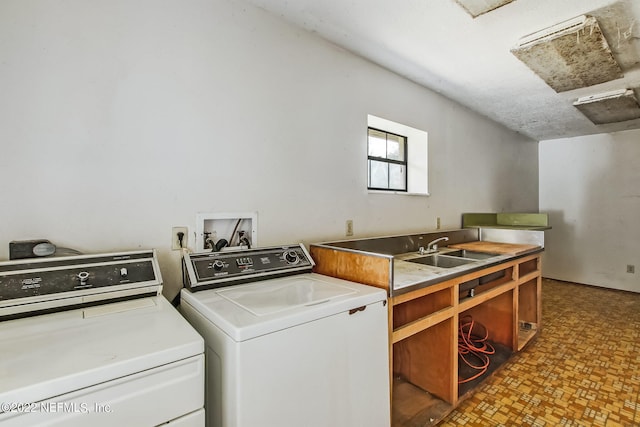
(90, 341)
(285, 346)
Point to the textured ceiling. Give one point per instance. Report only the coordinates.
(441, 45)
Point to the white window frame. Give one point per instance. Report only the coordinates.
(417, 155)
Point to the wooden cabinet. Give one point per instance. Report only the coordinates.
(423, 327)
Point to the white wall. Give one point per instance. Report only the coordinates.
(120, 119)
(590, 186)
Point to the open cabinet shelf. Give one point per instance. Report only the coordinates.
(423, 326)
(413, 406)
(502, 354)
(425, 362)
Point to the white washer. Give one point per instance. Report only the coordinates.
(287, 350)
(127, 359)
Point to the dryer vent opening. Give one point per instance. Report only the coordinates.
(569, 55)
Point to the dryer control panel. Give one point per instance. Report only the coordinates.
(33, 286)
(207, 270)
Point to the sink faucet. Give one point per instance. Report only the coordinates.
(432, 246)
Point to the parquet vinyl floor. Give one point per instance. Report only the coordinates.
(583, 369)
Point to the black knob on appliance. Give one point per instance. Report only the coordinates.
(218, 265)
(291, 257)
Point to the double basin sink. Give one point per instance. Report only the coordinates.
(452, 259)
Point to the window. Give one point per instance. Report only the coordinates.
(396, 158)
(387, 161)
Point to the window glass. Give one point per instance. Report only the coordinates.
(377, 143)
(395, 147)
(379, 174)
(397, 177)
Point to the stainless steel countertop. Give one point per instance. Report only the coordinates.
(410, 276)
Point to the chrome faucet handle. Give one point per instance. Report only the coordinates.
(433, 247)
(421, 250)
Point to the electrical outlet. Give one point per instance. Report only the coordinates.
(175, 238)
(631, 268)
(438, 223)
(349, 229)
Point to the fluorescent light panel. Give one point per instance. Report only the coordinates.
(478, 7)
(569, 55)
(609, 107)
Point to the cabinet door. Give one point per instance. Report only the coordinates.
(333, 371)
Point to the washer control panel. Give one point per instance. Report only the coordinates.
(207, 270)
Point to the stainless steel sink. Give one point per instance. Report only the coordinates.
(442, 261)
(463, 253)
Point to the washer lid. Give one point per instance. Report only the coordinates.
(251, 310)
(284, 294)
